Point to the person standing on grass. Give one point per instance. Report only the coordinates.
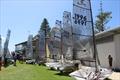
(110, 59)
(14, 58)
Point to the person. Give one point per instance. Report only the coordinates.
(0, 63)
(14, 58)
(110, 59)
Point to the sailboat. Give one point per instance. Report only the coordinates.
(61, 44)
(56, 36)
(84, 43)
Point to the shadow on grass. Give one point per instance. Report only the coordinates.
(62, 74)
(51, 69)
(58, 72)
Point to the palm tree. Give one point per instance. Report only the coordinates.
(102, 19)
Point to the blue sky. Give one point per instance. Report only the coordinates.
(24, 17)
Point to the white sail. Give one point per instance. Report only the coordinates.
(30, 47)
(67, 28)
(82, 28)
(58, 39)
(67, 35)
(55, 37)
(58, 25)
(41, 44)
(5, 52)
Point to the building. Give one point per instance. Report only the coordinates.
(37, 45)
(108, 43)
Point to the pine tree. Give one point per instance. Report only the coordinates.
(45, 26)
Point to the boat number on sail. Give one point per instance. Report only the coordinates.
(80, 19)
(81, 2)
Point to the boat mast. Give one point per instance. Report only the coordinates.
(94, 41)
(61, 44)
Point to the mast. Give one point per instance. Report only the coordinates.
(94, 41)
(101, 12)
(62, 57)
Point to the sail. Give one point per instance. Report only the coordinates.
(55, 42)
(6, 44)
(82, 29)
(67, 35)
(58, 25)
(30, 47)
(41, 44)
(57, 39)
(66, 31)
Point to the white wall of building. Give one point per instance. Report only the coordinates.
(109, 46)
(105, 48)
(117, 49)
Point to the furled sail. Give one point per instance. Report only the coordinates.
(82, 29)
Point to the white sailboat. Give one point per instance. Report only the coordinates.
(63, 43)
(83, 35)
(56, 47)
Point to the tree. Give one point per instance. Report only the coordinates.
(102, 19)
(45, 26)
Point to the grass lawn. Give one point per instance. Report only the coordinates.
(30, 72)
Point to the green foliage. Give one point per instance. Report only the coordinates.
(45, 26)
(102, 19)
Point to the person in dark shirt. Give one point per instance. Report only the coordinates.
(14, 58)
(110, 59)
